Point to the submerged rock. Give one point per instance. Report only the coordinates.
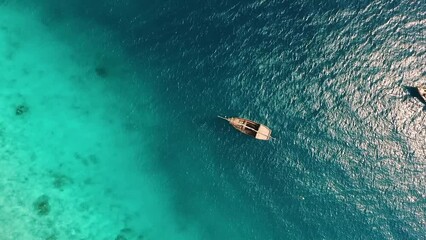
(41, 205)
(21, 109)
(128, 234)
(61, 180)
(101, 72)
(52, 237)
(120, 237)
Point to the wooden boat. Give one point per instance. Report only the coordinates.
(251, 128)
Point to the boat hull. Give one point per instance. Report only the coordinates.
(251, 128)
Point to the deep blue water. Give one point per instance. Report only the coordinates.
(325, 76)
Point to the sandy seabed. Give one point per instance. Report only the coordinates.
(74, 161)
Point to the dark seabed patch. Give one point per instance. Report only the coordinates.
(41, 205)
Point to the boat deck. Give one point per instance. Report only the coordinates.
(251, 128)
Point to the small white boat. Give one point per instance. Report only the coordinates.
(249, 127)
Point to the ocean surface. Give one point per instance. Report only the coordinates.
(109, 128)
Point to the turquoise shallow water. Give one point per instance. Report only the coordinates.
(119, 133)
